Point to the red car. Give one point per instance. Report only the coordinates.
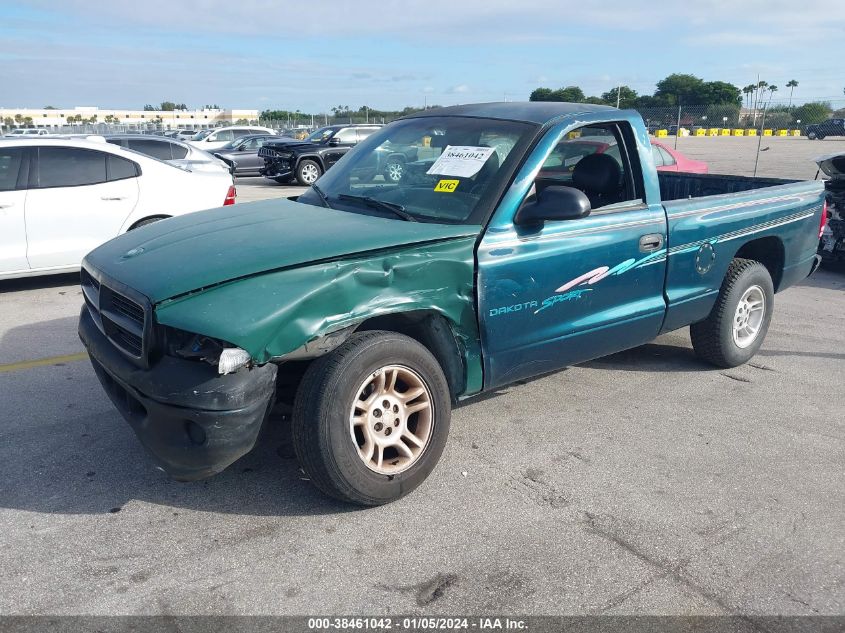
(569, 152)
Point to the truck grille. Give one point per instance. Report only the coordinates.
(122, 319)
(269, 152)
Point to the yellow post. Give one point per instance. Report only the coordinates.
(662, 133)
(751, 132)
(713, 131)
(782, 133)
(724, 132)
(795, 133)
(767, 132)
(738, 133)
(700, 132)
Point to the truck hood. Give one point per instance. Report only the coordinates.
(833, 165)
(198, 250)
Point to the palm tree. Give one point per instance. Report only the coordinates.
(748, 91)
(761, 86)
(791, 84)
(772, 91)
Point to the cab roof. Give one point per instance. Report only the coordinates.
(539, 112)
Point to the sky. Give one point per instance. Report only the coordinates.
(393, 53)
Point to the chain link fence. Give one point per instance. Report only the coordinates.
(772, 139)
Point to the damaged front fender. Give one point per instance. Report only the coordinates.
(305, 311)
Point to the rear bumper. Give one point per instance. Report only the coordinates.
(193, 421)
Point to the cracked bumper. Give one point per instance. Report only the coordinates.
(193, 421)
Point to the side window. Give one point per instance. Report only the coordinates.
(120, 168)
(70, 167)
(156, 149)
(240, 133)
(347, 135)
(364, 132)
(223, 135)
(10, 167)
(657, 156)
(178, 151)
(667, 157)
(596, 160)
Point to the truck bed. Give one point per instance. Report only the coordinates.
(711, 218)
(681, 186)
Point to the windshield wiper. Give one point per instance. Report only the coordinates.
(397, 209)
(323, 197)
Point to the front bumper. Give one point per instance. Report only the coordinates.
(277, 168)
(193, 421)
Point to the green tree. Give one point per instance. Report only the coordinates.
(812, 112)
(571, 94)
(792, 85)
(627, 97)
(717, 92)
(18, 119)
(167, 106)
(681, 88)
(541, 94)
(148, 107)
(50, 107)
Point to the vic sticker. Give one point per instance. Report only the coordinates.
(447, 186)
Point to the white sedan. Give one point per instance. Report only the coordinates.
(60, 198)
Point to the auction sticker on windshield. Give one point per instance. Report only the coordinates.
(462, 161)
(447, 185)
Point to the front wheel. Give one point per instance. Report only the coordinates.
(738, 322)
(307, 172)
(811, 136)
(394, 171)
(371, 418)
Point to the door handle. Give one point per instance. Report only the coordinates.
(113, 198)
(651, 242)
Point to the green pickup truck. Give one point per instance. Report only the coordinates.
(507, 248)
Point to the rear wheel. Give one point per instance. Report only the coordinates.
(738, 322)
(307, 172)
(371, 419)
(811, 135)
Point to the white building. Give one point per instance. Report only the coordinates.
(60, 117)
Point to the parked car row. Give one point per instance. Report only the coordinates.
(62, 197)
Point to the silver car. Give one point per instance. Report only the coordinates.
(169, 150)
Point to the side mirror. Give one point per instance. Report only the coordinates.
(333, 141)
(552, 204)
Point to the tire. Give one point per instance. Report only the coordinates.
(811, 136)
(820, 137)
(332, 447)
(394, 170)
(145, 222)
(307, 172)
(716, 339)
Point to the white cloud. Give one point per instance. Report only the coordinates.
(459, 89)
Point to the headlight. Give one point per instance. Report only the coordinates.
(232, 359)
(190, 346)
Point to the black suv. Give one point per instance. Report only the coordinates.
(308, 159)
(831, 127)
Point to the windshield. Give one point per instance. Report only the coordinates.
(236, 143)
(435, 169)
(200, 135)
(320, 135)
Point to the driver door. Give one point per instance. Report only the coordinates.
(572, 290)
